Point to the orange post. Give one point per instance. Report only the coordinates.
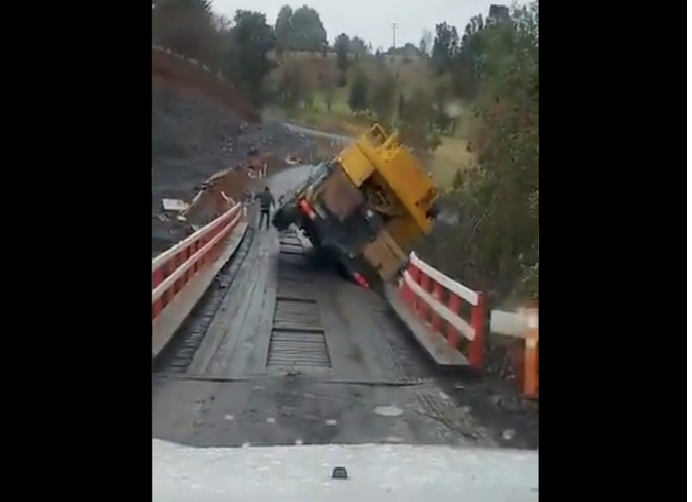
(531, 354)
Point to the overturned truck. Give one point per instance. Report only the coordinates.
(364, 208)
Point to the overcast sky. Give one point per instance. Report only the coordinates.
(372, 19)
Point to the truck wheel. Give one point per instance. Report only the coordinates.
(343, 270)
(281, 220)
(359, 271)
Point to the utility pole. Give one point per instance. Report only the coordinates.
(395, 26)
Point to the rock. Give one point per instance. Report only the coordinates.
(508, 434)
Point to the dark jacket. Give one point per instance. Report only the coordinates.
(266, 200)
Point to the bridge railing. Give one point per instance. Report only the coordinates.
(438, 301)
(173, 269)
(451, 311)
(457, 314)
(522, 325)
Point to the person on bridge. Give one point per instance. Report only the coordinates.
(266, 202)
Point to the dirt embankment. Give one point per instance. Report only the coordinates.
(200, 126)
(188, 76)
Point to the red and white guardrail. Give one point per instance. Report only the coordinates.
(457, 314)
(176, 267)
(437, 300)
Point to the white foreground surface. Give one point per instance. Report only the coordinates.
(376, 472)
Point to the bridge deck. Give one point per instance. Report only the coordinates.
(292, 354)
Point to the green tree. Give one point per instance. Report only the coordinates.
(358, 95)
(358, 47)
(291, 85)
(284, 29)
(445, 47)
(190, 5)
(187, 28)
(307, 30)
(299, 30)
(382, 97)
(413, 124)
(253, 38)
(328, 87)
(341, 46)
(467, 64)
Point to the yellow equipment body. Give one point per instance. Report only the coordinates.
(366, 207)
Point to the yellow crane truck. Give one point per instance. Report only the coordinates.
(365, 207)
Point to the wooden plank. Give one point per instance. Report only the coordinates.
(232, 307)
(265, 322)
(234, 352)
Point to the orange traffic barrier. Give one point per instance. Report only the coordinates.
(530, 370)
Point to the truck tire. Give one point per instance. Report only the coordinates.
(282, 219)
(343, 270)
(349, 267)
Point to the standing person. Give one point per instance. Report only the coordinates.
(266, 202)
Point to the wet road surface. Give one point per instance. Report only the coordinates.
(340, 138)
(293, 354)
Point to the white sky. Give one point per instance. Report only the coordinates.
(371, 19)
